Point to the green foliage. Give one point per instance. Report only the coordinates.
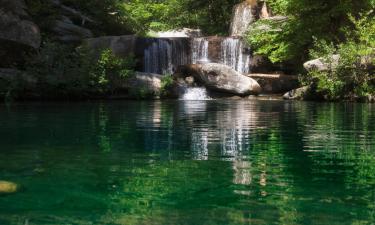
(352, 77)
(320, 29)
(166, 83)
(211, 16)
(291, 40)
(110, 70)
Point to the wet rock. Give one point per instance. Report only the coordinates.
(222, 78)
(297, 94)
(7, 187)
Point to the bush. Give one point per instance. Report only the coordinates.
(166, 83)
(353, 77)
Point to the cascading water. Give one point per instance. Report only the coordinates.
(163, 56)
(195, 93)
(199, 50)
(233, 55)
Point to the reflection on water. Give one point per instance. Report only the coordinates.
(188, 162)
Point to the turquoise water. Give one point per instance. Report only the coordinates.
(175, 162)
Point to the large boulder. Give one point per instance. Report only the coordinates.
(145, 83)
(221, 78)
(67, 31)
(16, 25)
(322, 64)
(332, 62)
(18, 34)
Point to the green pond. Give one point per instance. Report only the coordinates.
(188, 162)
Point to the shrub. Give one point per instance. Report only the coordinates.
(166, 84)
(353, 76)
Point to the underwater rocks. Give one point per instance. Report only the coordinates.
(7, 187)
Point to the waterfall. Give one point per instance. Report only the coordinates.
(195, 93)
(233, 54)
(199, 50)
(163, 56)
(242, 17)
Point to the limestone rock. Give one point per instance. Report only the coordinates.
(222, 78)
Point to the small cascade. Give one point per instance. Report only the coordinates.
(195, 93)
(242, 17)
(163, 56)
(233, 54)
(199, 50)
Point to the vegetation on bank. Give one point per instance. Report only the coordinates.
(321, 29)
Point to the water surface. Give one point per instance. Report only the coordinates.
(181, 162)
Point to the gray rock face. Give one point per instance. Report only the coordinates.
(16, 25)
(222, 78)
(120, 45)
(321, 64)
(12, 75)
(243, 15)
(69, 32)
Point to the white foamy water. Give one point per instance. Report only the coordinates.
(195, 93)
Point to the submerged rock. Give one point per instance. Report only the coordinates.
(222, 78)
(297, 94)
(7, 187)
